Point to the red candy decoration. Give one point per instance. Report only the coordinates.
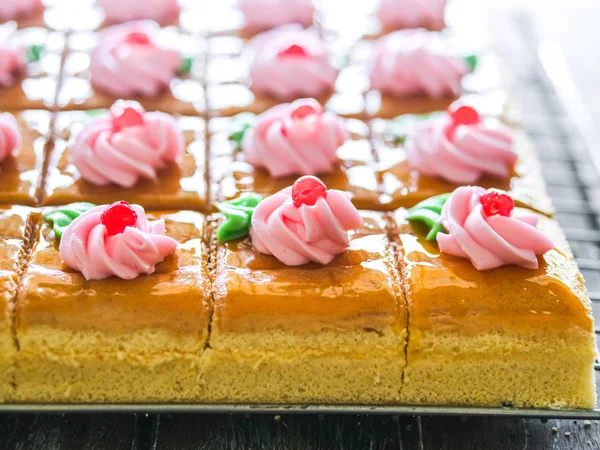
(117, 217)
(461, 115)
(125, 114)
(303, 111)
(137, 38)
(293, 50)
(307, 190)
(494, 203)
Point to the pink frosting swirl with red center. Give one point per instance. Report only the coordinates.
(12, 63)
(126, 145)
(289, 62)
(129, 62)
(299, 235)
(463, 157)
(295, 139)
(17, 9)
(118, 11)
(412, 13)
(267, 14)
(490, 241)
(416, 62)
(10, 136)
(87, 247)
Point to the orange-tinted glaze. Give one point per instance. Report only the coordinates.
(447, 294)
(13, 226)
(355, 172)
(185, 94)
(36, 88)
(358, 289)
(179, 186)
(174, 298)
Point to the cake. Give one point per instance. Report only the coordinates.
(111, 339)
(25, 13)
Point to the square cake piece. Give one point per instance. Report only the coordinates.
(36, 87)
(179, 185)
(355, 172)
(185, 94)
(22, 172)
(312, 333)
(14, 226)
(503, 337)
(114, 340)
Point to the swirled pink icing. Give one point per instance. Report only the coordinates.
(490, 241)
(461, 153)
(267, 14)
(297, 235)
(10, 135)
(128, 61)
(118, 11)
(395, 14)
(12, 63)
(126, 145)
(87, 247)
(294, 139)
(290, 62)
(16, 9)
(416, 62)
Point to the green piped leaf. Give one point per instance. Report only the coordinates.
(238, 217)
(186, 65)
(429, 212)
(401, 127)
(472, 61)
(95, 112)
(34, 53)
(239, 125)
(62, 217)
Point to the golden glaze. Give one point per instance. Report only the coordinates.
(174, 298)
(355, 172)
(21, 173)
(179, 186)
(13, 229)
(184, 96)
(447, 293)
(358, 289)
(36, 88)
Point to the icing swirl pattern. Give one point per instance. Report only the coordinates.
(12, 63)
(394, 14)
(118, 11)
(10, 136)
(16, 9)
(267, 14)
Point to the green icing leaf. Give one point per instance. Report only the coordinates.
(34, 53)
(186, 65)
(95, 112)
(472, 61)
(239, 125)
(61, 217)
(238, 216)
(400, 127)
(429, 213)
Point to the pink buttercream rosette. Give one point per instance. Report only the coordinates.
(266, 14)
(12, 63)
(290, 62)
(297, 235)
(128, 61)
(461, 153)
(10, 136)
(17, 9)
(395, 14)
(490, 241)
(87, 247)
(416, 62)
(296, 138)
(126, 145)
(119, 11)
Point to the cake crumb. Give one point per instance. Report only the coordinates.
(568, 434)
(554, 430)
(587, 423)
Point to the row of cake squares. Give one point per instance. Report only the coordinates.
(246, 17)
(186, 162)
(409, 71)
(298, 297)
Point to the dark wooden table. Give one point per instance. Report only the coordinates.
(575, 186)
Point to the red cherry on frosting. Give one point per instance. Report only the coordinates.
(307, 190)
(293, 50)
(125, 114)
(117, 217)
(494, 203)
(461, 115)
